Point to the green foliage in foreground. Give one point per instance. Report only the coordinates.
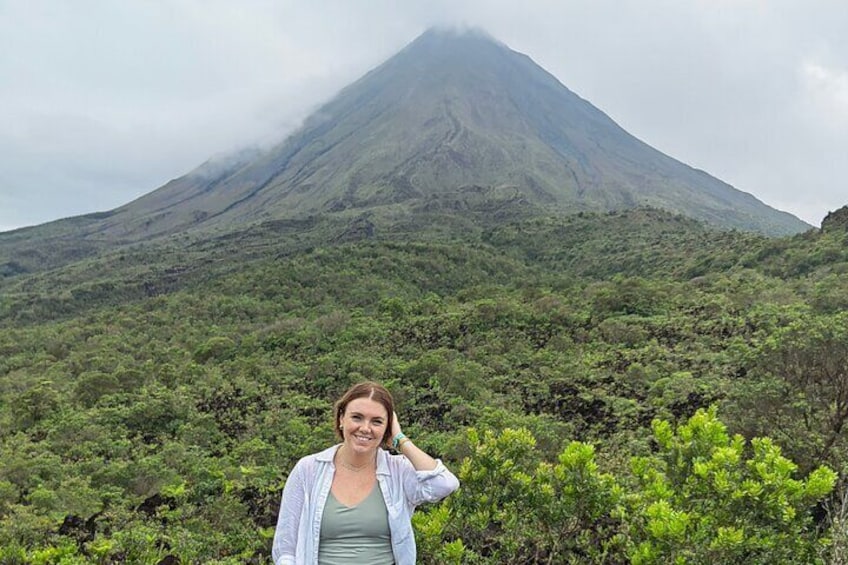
(702, 497)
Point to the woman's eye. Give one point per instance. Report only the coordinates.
(357, 418)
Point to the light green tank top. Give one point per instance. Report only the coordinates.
(357, 534)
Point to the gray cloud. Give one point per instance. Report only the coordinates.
(102, 102)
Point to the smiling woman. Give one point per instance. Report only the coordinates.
(353, 502)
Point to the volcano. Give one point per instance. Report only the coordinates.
(452, 121)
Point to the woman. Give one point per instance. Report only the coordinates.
(353, 502)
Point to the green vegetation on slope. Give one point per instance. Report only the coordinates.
(152, 401)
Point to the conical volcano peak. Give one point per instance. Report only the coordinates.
(452, 35)
(454, 121)
(441, 49)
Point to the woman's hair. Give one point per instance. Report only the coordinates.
(372, 391)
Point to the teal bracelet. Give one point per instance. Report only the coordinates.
(396, 440)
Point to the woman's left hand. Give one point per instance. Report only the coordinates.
(420, 460)
(395, 425)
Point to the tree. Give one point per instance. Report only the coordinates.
(703, 498)
(513, 508)
(797, 390)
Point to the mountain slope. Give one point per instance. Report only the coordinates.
(452, 117)
(448, 112)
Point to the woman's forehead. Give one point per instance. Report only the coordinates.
(366, 407)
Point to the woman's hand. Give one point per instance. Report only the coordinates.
(395, 425)
(420, 460)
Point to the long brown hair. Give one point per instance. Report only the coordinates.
(372, 391)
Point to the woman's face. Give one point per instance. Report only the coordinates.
(363, 425)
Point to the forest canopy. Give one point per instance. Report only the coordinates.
(620, 388)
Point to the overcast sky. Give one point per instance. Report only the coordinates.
(103, 101)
